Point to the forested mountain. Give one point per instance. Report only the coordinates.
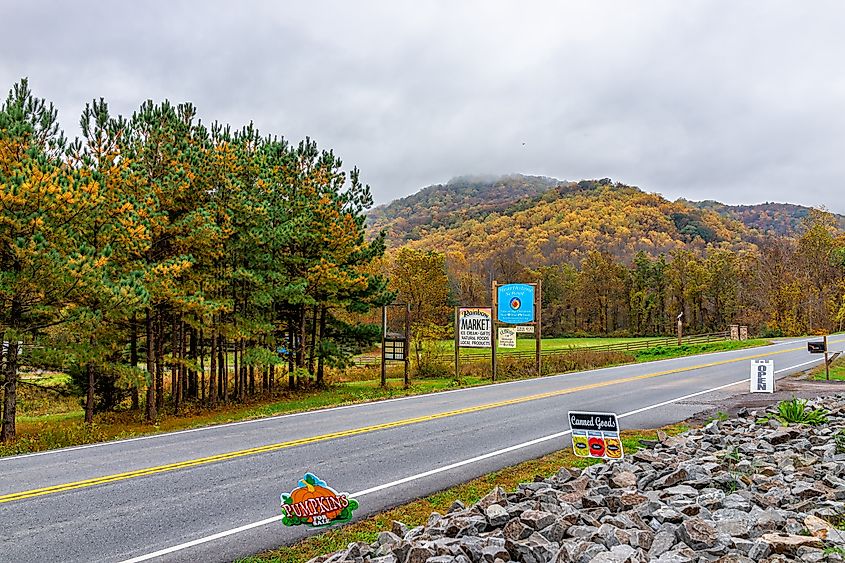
(561, 221)
(558, 224)
(782, 219)
(451, 204)
(616, 260)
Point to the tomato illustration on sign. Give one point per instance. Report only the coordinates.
(596, 447)
(315, 504)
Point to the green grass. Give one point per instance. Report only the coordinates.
(417, 512)
(666, 352)
(526, 342)
(837, 371)
(42, 428)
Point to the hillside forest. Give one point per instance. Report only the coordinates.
(162, 262)
(614, 260)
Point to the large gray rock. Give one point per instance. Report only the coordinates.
(496, 515)
(698, 534)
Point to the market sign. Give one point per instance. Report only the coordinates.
(474, 327)
(515, 303)
(313, 503)
(507, 337)
(595, 434)
(762, 376)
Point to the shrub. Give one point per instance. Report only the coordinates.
(795, 411)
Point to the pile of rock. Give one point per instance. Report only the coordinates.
(735, 490)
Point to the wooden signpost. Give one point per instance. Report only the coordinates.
(395, 346)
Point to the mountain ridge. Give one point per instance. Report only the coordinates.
(469, 200)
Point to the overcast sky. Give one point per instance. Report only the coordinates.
(742, 102)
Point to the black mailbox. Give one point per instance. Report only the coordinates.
(816, 347)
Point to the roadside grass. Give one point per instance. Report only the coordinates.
(837, 371)
(51, 422)
(666, 352)
(416, 513)
(526, 342)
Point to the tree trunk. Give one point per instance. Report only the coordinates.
(320, 380)
(89, 399)
(252, 380)
(150, 413)
(291, 379)
(224, 369)
(201, 379)
(175, 390)
(312, 349)
(133, 360)
(159, 340)
(10, 388)
(212, 374)
(300, 350)
(193, 378)
(183, 368)
(236, 365)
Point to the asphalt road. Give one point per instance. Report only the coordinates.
(213, 494)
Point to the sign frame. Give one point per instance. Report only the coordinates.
(762, 376)
(595, 435)
(536, 290)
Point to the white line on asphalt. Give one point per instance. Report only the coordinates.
(357, 405)
(435, 471)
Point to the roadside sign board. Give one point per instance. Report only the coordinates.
(474, 327)
(762, 376)
(516, 303)
(521, 329)
(394, 350)
(595, 434)
(507, 337)
(314, 504)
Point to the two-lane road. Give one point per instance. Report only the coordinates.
(212, 494)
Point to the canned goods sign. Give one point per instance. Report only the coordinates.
(595, 434)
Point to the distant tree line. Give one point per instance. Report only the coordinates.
(156, 248)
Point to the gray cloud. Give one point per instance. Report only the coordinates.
(736, 101)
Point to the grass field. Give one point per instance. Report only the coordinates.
(417, 512)
(527, 343)
(47, 420)
(837, 371)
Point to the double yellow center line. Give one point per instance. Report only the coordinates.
(354, 432)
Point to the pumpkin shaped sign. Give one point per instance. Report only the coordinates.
(315, 504)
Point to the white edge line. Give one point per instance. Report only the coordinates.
(359, 405)
(431, 472)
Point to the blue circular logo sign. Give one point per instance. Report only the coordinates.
(516, 303)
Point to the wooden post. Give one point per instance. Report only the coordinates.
(826, 360)
(493, 334)
(383, 331)
(457, 344)
(680, 331)
(538, 314)
(407, 345)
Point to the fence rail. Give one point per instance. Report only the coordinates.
(618, 347)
